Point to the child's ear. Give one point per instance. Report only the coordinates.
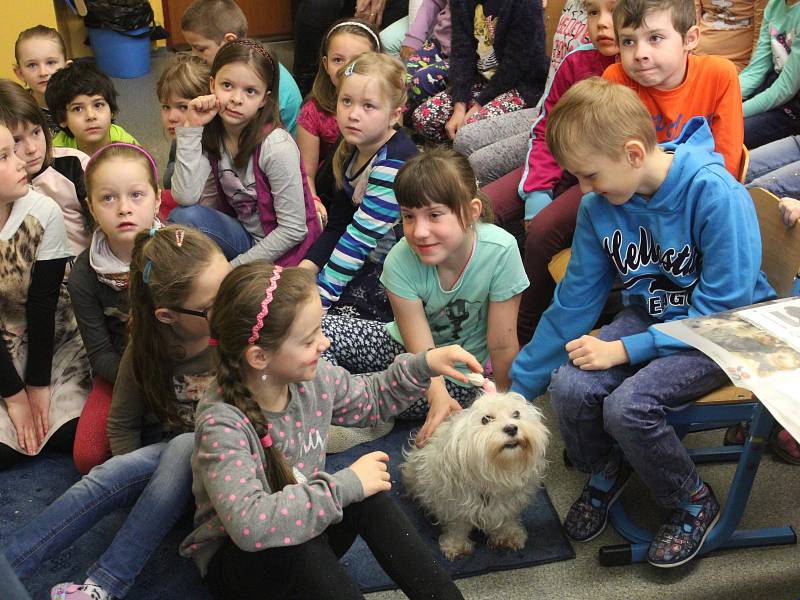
(229, 37)
(257, 358)
(474, 210)
(692, 38)
(211, 84)
(18, 72)
(165, 315)
(397, 116)
(635, 153)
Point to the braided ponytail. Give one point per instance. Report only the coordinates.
(231, 320)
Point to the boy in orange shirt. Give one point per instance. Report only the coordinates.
(656, 38)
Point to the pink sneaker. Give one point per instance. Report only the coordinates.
(74, 591)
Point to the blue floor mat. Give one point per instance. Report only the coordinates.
(26, 489)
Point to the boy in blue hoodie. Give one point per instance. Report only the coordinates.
(682, 235)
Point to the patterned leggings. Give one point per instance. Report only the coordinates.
(431, 116)
(362, 346)
(427, 73)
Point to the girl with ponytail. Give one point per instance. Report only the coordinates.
(263, 498)
(166, 367)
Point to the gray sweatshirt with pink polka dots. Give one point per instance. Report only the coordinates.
(230, 486)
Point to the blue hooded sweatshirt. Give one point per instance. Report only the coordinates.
(692, 249)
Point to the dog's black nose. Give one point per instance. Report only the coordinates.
(510, 430)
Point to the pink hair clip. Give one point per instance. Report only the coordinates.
(266, 441)
(273, 283)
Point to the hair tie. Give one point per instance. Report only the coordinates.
(146, 271)
(213, 341)
(125, 145)
(153, 231)
(359, 25)
(266, 441)
(273, 283)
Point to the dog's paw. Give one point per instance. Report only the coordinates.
(455, 546)
(510, 537)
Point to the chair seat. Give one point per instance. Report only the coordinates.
(728, 394)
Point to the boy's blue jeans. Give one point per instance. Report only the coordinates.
(156, 480)
(625, 409)
(776, 167)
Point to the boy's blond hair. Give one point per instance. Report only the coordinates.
(632, 13)
(214, 18)
(185, 76)
(597, 116)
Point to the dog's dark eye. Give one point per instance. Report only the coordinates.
(515, 414)
(487, 419)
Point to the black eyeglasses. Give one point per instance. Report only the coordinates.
(194, 313)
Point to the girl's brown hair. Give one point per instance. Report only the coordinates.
(162, 275)
(185, 76)
(39, 31)
(324, 91)
(233, 315)
(251, 53)
(392, 76)
(17, 107)
(441, 176)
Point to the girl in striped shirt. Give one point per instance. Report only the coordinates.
(348, 256)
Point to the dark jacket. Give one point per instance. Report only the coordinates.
(518, 45)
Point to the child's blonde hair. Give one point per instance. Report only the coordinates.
(121, 151)
(595, 115)
(164, 267)
(391, 74)
(441, 176)
(235, 311)
(214, 18)
(324, 91)
(185, 76)
(39, 31)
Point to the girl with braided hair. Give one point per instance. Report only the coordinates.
(164, 370)
(269, 519)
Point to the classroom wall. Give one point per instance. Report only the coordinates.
(53, 13)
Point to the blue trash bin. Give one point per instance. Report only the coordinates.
(125, 55)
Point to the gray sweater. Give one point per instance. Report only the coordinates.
(280, 163)
(233, 495)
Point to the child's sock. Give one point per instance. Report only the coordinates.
(601, 482)
(695, 502)
(98, 591)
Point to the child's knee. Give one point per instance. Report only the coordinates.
(570, 388)
(624, 414)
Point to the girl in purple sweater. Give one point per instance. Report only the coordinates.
(263, 498)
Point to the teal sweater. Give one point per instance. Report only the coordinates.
(778, 30)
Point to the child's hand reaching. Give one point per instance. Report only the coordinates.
(593, 354)
(442, 361)
(790, 211)
(202, 110)
(440, 406)
(373, 473)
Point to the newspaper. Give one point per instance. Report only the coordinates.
(758, 347)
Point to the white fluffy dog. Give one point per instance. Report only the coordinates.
(480, 469)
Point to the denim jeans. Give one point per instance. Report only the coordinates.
(629, 405)
(770, 126)
(776, 167)
(229, 234)
(156, 480)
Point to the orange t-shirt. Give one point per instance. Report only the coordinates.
(710, 90)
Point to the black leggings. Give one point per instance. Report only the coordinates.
(312, 19)
(61, 441)
(312, 570)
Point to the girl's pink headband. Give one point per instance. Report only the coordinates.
(273, 283)
(123, 144)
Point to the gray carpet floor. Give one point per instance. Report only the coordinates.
(747, 574)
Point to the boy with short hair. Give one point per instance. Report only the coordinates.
(83, 101)
(656, 39)
(682, 235)
(208, 25)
